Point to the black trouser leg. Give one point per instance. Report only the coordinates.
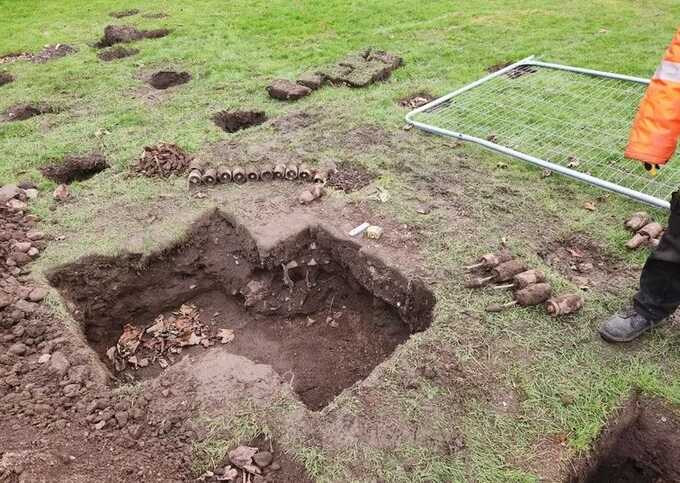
(659, 293)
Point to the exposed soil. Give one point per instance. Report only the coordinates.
(21, 112)
(116, 34)
(585, 263)
(640, 445)
(14, 56)
(116, 53)
(75, 168)
(323, 323)
(6, 78)
(349, 177)
(294, 121)
(53, 52)
(124, 13)
(232, 121)
(168, 78)
(155, 15)
(416, 100)
(362, 68)
(163, 160)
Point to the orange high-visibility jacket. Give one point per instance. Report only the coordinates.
(656, 128)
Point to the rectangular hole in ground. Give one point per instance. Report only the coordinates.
(323, 322)
(641, 444)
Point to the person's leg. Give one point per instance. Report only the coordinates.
(659, 293)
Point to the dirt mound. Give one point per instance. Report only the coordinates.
(641, 445)
(124, 13)
(414, 101)
(21, 112)
(156, 15)
(163, 160)
(14, 56)
(349, 177)
(118, 34)
(75, 168)
(168, 78)
(316, 308)
(116, 53)
(362, 68)
(6, 78)
(232, 121)
(53, 52)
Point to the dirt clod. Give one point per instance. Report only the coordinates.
(21, 112)
(168, 78)
(124, 13)
(116, 34)
(75, 168)
(5, 78)
(50, 52)
(163, 160)
(286, 90)
(116, 53)
(232, 121)
(362, 68)
(349, 177)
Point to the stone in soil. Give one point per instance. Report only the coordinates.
(168, 78)
(75, 168)
(373, 308)
(50, 52)
(5, 78)
(286, 90)
(114, 53)
(21, 112)
(117, 34)
(232, 121)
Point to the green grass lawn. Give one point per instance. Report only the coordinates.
(233, 49)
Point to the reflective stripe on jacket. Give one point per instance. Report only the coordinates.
(656, 128)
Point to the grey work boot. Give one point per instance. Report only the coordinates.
(625, 327)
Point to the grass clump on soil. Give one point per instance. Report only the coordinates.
(523, 393)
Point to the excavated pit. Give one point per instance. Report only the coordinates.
(640, 445)
(233, 121)
(323, 323)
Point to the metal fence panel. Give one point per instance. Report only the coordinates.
(569, 120)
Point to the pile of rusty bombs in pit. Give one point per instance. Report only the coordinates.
(501, 271)
(209, 175)
(645, 231)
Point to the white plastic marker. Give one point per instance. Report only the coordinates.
(359, 229)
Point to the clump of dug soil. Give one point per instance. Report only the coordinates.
(168, 78)
(349, 177)
(75, 168)
(124, 13)
(6, 78)
(53, 52)
(163, 160)
(155, 15)
(361, 68)
(116, 53)
(21, 112)
(232, 121)
(120, 34)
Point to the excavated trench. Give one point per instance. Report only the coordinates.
(315, 306)
(640, 445)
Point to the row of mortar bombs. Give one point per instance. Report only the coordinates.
(647, 232)
(529, 285)
(198, 174)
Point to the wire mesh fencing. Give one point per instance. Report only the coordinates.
(573, 120)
